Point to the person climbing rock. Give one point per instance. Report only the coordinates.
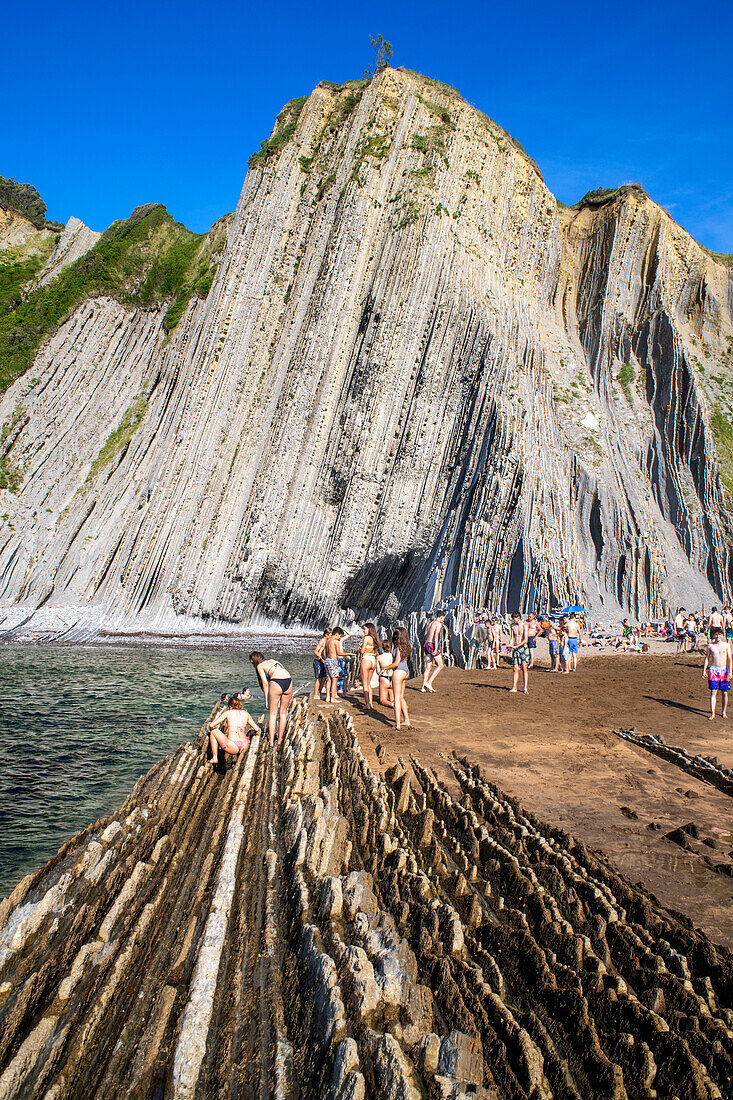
(236, 721)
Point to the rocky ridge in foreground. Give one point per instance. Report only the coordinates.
(416, 376)
(302, 926)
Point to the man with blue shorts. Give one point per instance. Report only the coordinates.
(574, 633)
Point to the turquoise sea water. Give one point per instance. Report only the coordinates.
(78, 726)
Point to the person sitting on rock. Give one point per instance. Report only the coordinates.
(236, 720)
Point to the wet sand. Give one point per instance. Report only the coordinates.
(554, 751)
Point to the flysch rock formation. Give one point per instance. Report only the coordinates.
(74, 242)
(301, 926)
(417, 376)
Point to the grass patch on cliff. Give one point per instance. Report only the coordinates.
(625, 378)
(723, 436)
(15, 274)
(120, 437)
(285, 125)
(142, 261)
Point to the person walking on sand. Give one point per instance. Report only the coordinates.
(233, 739)
(368, 661)
(433, 657)
(520, 650)
(401, 651)
(679, 631)
(320, 676)
(533, 629)
(718, 668)
(384, 658)
(277, 686)
(574, 633)
(691, 631)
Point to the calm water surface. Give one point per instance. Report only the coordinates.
(78, 726)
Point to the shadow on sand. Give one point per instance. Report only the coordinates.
(676, 705)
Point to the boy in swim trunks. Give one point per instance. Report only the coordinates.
(520, 650)
(433, 657)
(320, 676)
(574, 633)
(234, 739)
(718, 667)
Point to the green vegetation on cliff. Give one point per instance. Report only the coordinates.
(723, 435)
(143, 261)
(120, 437)
(18, 267)
(285, 124)
(24, 199)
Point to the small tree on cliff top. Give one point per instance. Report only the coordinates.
(383, 51)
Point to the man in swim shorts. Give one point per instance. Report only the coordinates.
(679, 630)
(533, 629)
(718, 667)
(431, 649)
(520, 650)
(574, 633)
(728, 623)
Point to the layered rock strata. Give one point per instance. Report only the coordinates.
(416, 376)
(302, 926)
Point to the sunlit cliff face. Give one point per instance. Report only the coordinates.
(415, 376)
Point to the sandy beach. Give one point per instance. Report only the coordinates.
(554, 750)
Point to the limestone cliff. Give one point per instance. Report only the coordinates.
(415, 376)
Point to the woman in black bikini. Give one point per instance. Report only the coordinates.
(277, 685)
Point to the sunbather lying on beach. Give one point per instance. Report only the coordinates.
(234, 738)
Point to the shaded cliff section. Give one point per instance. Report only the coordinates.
(305, 926)
(415, 377)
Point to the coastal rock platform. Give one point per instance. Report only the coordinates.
(304, 926)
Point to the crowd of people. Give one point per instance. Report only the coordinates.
(563, 635)
(383, 666)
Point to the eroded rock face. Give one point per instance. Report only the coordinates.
(415, 377)
(302, 926)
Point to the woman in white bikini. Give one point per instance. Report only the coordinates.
(384, 658)
(401, 650)
(234, 740)
(277, 685)
(368, 662)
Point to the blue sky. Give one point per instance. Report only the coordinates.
(109, 106)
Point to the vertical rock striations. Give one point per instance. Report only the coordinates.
(415, 376)
(303, 927)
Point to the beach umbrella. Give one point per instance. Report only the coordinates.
(575, 610)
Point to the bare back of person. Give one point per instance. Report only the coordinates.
(718, 653)
(519, 632)
(573, 628)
